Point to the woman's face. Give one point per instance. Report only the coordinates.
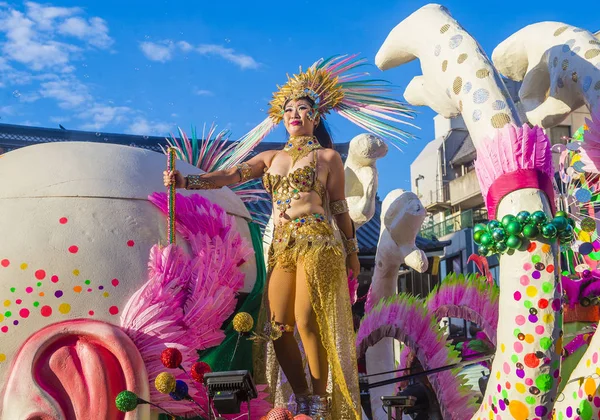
(299, 118)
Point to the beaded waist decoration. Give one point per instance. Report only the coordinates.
(312, 230)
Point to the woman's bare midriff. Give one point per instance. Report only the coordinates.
(308, 203)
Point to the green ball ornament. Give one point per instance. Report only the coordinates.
(486, 239)
(507, 219)
(571, 222)
(493, 224)
(530, 231)
(523, 217)
(560, 222)
(483, 250)
(126, 401)
(539, 217)
(501, 247)
(477, 236)
(549, 231)
(479, 227)
(514, 227)
(561, 213)
(514, 242)
(499, 235)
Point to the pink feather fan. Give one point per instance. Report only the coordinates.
(188, 296)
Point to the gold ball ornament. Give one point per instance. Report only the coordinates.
(243, 322)
(165, 383)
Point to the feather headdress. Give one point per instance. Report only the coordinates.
(332, 85)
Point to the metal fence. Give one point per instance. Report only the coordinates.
(466, 219)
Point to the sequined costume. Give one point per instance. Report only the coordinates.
(311, 240)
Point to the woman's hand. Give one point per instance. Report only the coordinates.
(170, 177)
(353, 265)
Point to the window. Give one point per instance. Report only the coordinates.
(558, 133)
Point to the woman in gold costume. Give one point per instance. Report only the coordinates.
(314, 246)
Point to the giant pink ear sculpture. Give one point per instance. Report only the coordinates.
(49, 379)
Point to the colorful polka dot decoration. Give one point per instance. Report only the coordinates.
(526, 370)
(581, 397)
(53, 300)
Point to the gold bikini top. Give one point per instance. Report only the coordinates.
(284, 188)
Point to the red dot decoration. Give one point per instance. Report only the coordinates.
(29, 289)
(24, 313)
(130, 243)
(91, 313)
(4, 329)
(63, 220)
(46, 311)
(54, 279)
(5, 263)
(543, 303)
(18, 301)
(113, 310)
(115, 282)
(531, 360)
(40, 274)
(73, 249)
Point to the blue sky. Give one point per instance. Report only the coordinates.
(144, 67)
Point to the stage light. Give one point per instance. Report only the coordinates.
(227, 390)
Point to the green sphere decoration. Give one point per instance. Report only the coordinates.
(571, 222)
(507, 219)
(126, 401)
(499, 235)
(530, 231)
(501, 247)
(483, 250)
(539, 217)
(561, 213)
(477, 236)
(560, 222)
(486, 239)
(514, 227)
(493, 224)
(523, 217)
(479, 227)
(514, 242)
(549, 231)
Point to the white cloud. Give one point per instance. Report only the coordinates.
(142, 126)
(203, 92)
(60, 120)
(45, 16)
(163, 51)
(7, 110)
(157, 52)
(242, 60)
(94, 31)
(99, 116)
(30, 123)
(69, 93)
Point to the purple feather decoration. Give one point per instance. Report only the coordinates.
(405, 318)
(467, 298)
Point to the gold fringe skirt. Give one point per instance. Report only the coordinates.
(310, 240)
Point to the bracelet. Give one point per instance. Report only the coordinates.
(197, 182)
(338, 207)
(245, 171)
(351, 245)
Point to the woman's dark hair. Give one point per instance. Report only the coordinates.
(321, 130)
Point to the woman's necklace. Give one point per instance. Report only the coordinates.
(300, 146)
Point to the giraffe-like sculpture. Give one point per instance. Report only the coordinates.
(458, 78)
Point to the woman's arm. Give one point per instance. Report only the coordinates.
(339, 209)
(251, 169)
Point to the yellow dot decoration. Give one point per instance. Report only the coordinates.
(243, 322)
(531, 291)
(560, 30)
(64, 308)
(444, 28)
(24, 266)
(529, 338)
(591, 53)
(7, 303)
(444, 65)
(502, 348)
(462, 58)
(518, 410)
(548, 318)
(105, 294)
(482, 73)
(165, 383)
(76, 272)
(520, 388)
(589, 387)
(1, 317)
(500, 119)
(457, 85)
(2, 357)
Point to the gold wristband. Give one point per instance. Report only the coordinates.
(338, 207)
(197, 182)
(245, 171)
(351, 245)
